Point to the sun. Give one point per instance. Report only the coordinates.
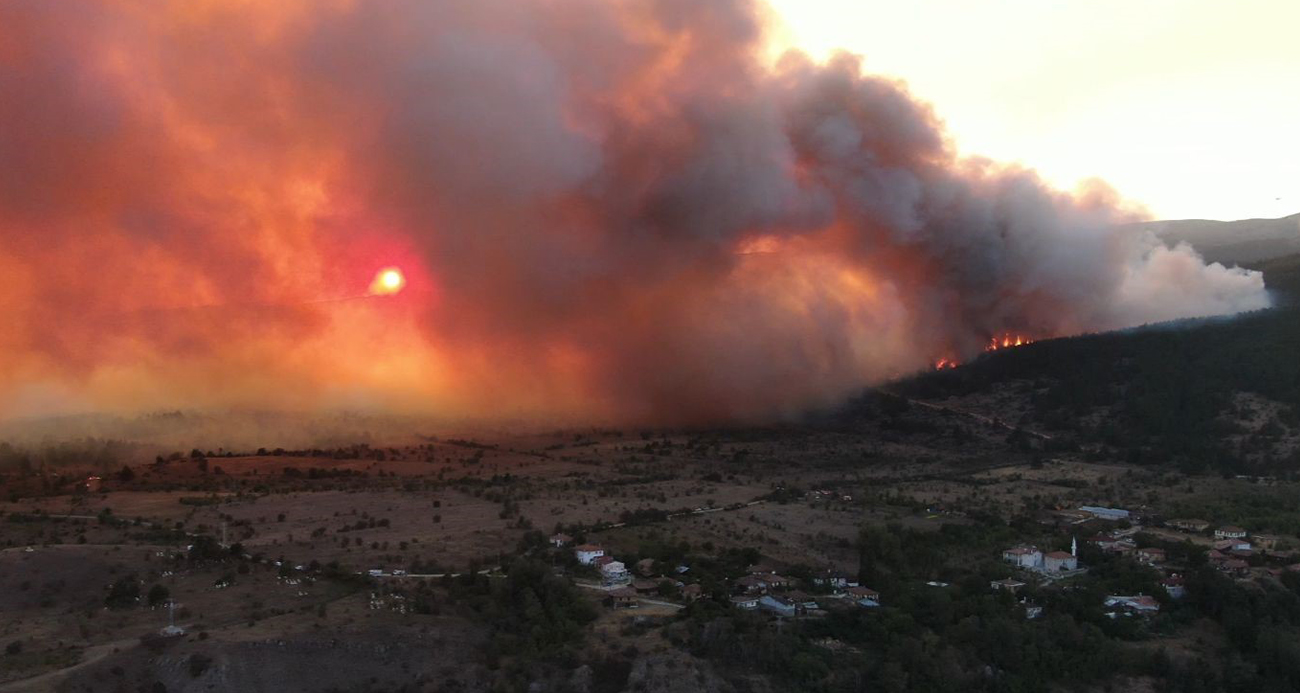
(389, 280)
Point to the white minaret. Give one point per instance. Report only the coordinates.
(1074, 546)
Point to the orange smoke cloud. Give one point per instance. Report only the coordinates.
(610, 210)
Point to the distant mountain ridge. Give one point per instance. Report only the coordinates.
(1232, 242)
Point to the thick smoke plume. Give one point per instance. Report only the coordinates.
(613, 210)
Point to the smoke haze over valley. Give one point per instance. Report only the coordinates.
(607, 212)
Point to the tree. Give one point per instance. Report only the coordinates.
(158, 594)
(125, 592)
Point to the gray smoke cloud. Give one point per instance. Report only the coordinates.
(621, 210)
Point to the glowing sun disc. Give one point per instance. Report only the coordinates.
(387, 281)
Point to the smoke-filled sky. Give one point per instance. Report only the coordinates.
(601, 210)
(1187, 105)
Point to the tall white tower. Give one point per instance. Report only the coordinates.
(1074, 546)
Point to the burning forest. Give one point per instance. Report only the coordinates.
(599, 210)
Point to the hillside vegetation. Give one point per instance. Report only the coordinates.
(1221, 393)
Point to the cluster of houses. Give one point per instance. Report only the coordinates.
(1230, 553)
(1053, 564)
(762, 589)
(1233, 548)
(1059, 564)
(766, 590)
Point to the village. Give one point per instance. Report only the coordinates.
(651, 534)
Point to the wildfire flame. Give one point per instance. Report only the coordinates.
(1007, 341)
(996, 343)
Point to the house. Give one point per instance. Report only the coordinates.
(802, 600)
(1032, 611)
(692, 592)
(1008, 584)
(1267, 542)
(645, 586)
(560, 540)
(1232, 545)
(776, 582)
(748, 603)
(588, 553)
(623, 597)
(1189, 525)
(1023, 556)
(1234, 566)
(92, 484)
(1141, 603)
(1151, 555)
(645, 567)
(1111, 514)
(1112, 544)
(614, 573)
(778, 605)
(1060, 562)
(833, 581)
(864, 597)
(1174, 586)
(1229, 532)
(752, 584)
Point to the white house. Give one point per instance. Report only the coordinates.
(1008, 584)
(748, 603)
(588, 553)
(1229, 532)
(1023, 556)
(560, 539)
(1174, 587)
(615, 573)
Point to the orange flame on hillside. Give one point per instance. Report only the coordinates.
(1007, 341)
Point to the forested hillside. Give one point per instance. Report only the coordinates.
(1219, 393)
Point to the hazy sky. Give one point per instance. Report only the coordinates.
(1189, 106)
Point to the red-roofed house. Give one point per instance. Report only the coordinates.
(1060, 562)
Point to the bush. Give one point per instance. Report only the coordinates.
(198, 664)
(158, 594)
